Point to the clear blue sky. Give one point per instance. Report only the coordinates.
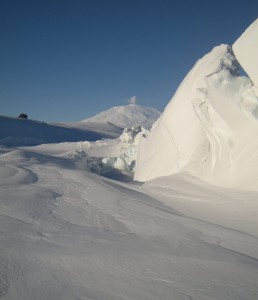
(66, 60)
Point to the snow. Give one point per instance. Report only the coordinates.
(70, 234)
(108, 124)
(127, 116)
(105, 157)
(208, 129)
(74, 225)
(21, 132)
(246, 49)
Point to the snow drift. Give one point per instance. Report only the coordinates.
(209, 129)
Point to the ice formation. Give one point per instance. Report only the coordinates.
(129, 141)
(210, 128)
(246, 49)
(102, 156)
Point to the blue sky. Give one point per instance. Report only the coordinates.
(68, 60)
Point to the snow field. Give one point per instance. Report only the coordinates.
(71, 234)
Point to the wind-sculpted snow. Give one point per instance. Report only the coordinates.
(209, 129)
(72, 234)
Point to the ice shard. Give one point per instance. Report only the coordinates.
(246, 51)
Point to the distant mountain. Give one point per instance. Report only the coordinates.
(127, 116)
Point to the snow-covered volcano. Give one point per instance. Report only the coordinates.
(127, 116)
(210, 127)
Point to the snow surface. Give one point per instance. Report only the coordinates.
(67, 233)
(108, 157)
(246, 49)
(209, 129)
(127, 116)
(22, 132)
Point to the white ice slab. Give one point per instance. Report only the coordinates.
(246, 51)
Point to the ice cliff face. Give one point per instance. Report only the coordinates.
(246, 51)
(210, 128)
